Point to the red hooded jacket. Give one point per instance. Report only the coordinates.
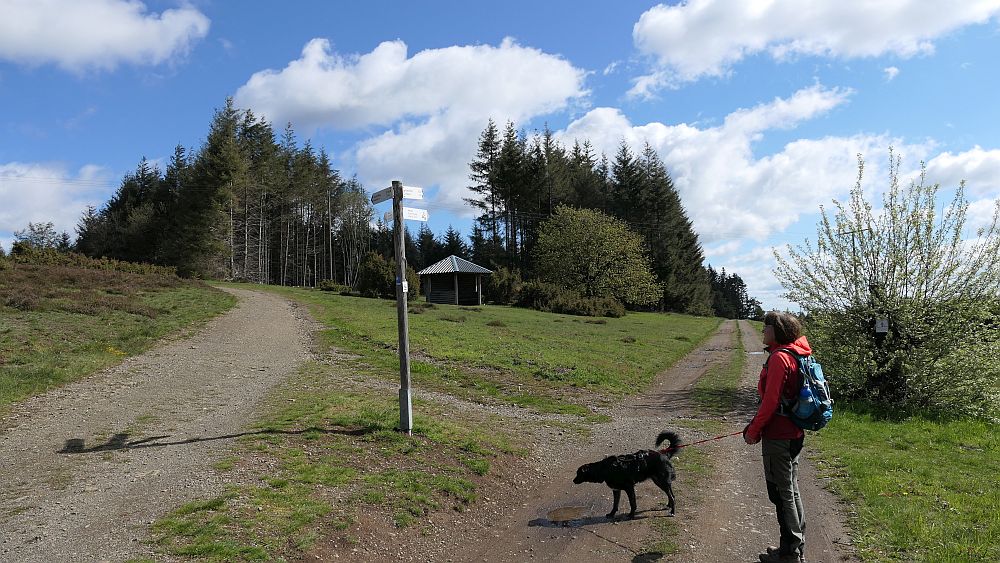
(780, 378)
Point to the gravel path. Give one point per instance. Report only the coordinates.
(87, 467)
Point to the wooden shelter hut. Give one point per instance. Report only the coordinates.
(454, 281)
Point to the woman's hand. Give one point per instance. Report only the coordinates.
(749, 436)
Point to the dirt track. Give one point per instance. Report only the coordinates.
(87, 467)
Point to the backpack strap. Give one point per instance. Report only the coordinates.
(786, 405)
(793, 353)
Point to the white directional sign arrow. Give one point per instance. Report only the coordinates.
(409, 192)
(414, 214)
(381, 195)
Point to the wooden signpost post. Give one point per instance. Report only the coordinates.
(397, 191)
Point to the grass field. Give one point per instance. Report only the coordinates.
(59, 323)
(920, 490)
(547, 362)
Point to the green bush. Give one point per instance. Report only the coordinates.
(330, 285)
(554, 299)
(377, 278)
(503, 285)
(939, 359)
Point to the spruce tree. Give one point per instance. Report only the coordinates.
(427, 248)
(453, 244)
(205, 227)
(484, 176)
(676, 252)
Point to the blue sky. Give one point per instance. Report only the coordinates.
(758, 108)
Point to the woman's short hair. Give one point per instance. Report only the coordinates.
(787, 328)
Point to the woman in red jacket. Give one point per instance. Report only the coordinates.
(779, 383)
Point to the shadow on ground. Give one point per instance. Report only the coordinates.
(121, 441)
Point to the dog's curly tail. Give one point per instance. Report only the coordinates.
(674, 439)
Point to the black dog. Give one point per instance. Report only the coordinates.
(622, 472)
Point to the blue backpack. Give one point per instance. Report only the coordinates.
(813, 408)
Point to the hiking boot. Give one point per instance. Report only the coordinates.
(774, 556)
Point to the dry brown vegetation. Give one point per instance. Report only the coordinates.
(31, 287)
(63, 316)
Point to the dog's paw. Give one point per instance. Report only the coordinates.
(610, 516)
(631, 516)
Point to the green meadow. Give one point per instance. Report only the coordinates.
(544, 361)
(918, 489)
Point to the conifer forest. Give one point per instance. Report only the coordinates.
(254, 205)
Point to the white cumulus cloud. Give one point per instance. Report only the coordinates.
(890, 73)
(980, 214)
(701, 38)
(428, 108)
(80, 35)
(978, 167)
(40, 192)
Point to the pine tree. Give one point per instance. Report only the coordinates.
(178, 175)
(332, 187)
(478, 246)
(256, 200)
(354, 233)
(586, 181)
(511, 181)
(130, 225)
(90, 235)
(557, 180)
(626, 184)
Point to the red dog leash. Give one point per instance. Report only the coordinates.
(679, 446)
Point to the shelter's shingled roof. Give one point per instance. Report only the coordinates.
(453, 264)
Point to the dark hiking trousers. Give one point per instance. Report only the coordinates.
(781, 471)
